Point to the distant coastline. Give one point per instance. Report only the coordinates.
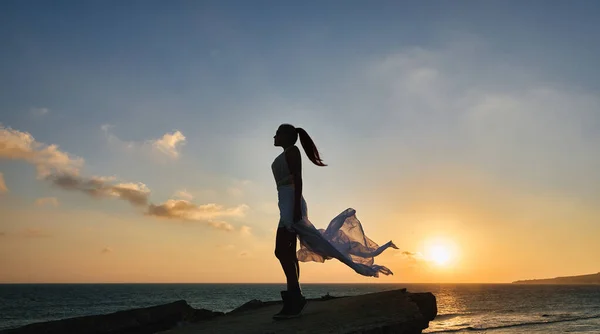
(580, 279)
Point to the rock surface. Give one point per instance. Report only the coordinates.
(142, 320)
(395, 311)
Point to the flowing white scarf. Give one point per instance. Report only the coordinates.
(344, 239)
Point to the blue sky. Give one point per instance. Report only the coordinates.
(409, 101)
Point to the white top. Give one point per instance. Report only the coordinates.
(281, 170)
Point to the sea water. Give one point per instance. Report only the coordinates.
(473, 308)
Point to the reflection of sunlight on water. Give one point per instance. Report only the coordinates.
(452, 311)
(448, 302)
(509, 309)
(451, 323)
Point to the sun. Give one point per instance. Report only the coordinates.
(441, 252)
(440, 255)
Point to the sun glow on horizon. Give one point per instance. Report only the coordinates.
(441, 252)
(440, 255)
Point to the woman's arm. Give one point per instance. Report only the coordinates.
(294, 161)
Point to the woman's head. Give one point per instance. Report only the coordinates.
(287, 135)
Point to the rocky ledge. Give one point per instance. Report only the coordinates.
(395, 311)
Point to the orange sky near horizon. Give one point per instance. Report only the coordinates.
(479, 233)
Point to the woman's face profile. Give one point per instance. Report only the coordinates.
(277, 137)
(281, 136)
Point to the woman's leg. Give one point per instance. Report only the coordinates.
(297, 265)
(285, 251)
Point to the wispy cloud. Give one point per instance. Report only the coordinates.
(209, 213)
(220, 225)
(247, 230)
(106, 250)
(60, 169)
(39, 111)
(410, 255)
(413, 259)
(447, 107)
(238, 188)
(113, 139)
(169, 144)
(52, 201)
(17, 145)
(135, 193)
(235, 192)
(184, 194)
(2, 234)
(413, 256)
(3, 188)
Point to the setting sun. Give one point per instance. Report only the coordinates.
(440, 252)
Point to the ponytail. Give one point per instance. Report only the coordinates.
(309, 147)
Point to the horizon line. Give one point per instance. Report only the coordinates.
(255, 283)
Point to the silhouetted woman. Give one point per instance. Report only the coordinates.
(343, 239)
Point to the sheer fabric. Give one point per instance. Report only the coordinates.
(344, 239)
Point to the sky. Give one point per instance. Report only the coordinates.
(136, 137)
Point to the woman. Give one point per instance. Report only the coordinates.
(343, 239)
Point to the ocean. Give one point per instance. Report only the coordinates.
(472, 308)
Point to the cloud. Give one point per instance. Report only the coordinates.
(220, 225)
(184, 210)
(237, 190)
(39, 111)
(411, 256)
(135, 193)
(113, 139)
(106, 250)
(2, 234)
(62, 170)
(244, 254)
(446, 107)
(104, 179)
(52, 201)
(184, 194)
(247, 230)
(237, 187)
(169, 144)
(35, 233)
(17, 145)
(415, 260)
(3, 188)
